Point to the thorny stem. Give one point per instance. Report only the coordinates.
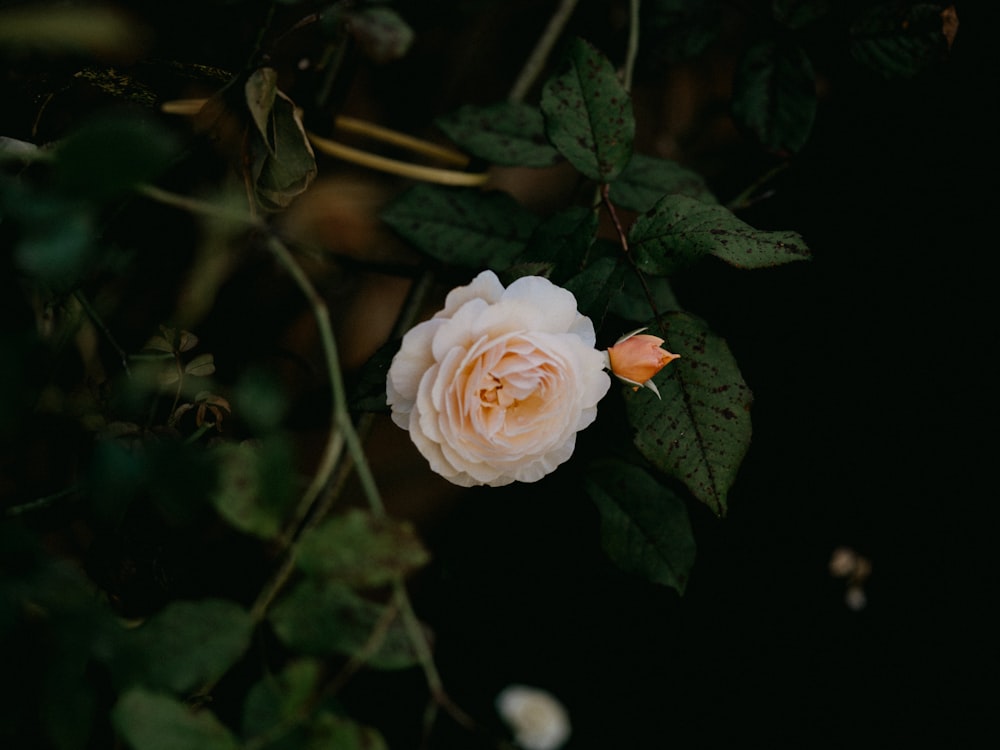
(535, 63)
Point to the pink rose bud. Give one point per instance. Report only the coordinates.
(637, 357)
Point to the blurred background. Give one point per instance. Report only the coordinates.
(873, 410)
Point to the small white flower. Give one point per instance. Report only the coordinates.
(537, 719)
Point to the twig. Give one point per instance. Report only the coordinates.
(605, 190)
(535, 63)
(41, 502)
(633, 44)
(89, 309)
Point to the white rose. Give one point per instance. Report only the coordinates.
(494, 388)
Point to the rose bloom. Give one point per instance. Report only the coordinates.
(494, 387)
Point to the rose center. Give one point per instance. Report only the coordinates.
(491, 393)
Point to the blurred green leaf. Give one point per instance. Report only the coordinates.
(699, 430)
(53, 632)
(12, 149)
(679, 230)
(280, 700)
(112, 153)
(465, 227)
(201, 366)
(596, 285)
(116, 476)
(279, 714)
(186, 645)
(645, 528)
(256, 485)
(510, 134)
(360, 550)
(261, 401)
(92, 30)
(899, 41)
(562, 240)
(588, 113)
(774, 96)
(282, 161)
(647, 179)
(317, 620)
(55, 243)
(150, 721)
(329, 730)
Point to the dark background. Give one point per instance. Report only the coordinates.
(872, 422)
(869, 367)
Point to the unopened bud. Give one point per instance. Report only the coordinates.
(637, 357)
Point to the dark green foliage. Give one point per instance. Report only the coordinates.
(775, 96)
(644, 526)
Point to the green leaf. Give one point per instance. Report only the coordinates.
(774, 96)
(261, 401)
(596, 285)
(329, 730)
(699, 430)
(256, 485)
(187, 644)
(201, 366)
(149, 721)
(645, 528)
(679, 231)
(510, 134)
(110, 154)
(282, 161)
(53, 633)
(316, 619)
(899, 42)
(278, 700)
(647, 179)
(261, 89)
(588, 113)
(563, 241)
(55, 238)
(278, 715)
(633, 304)
(460, 226)
(360, 550)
